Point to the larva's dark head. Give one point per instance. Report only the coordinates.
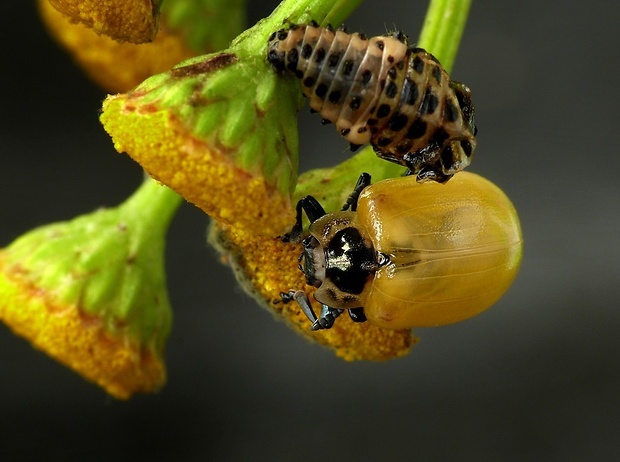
(281, 52)
(455, 156)
(456, 152)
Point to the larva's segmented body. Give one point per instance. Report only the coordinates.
(381, 91)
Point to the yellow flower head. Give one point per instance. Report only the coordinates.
(91, 292)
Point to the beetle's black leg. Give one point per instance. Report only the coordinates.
(302, 300)
(357, 314)
(313, 210)
(362, 182)
(328, 316)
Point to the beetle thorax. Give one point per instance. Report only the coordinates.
(340, 260)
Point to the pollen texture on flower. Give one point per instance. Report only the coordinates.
(123, 20)
(78, 340)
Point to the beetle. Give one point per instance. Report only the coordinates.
(404, 254)
(384, 92)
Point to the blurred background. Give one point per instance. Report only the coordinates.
(537, 377)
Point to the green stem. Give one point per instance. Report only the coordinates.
(443, 28)
(151, 207)
(253, 40)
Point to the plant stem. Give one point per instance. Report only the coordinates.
(443, 28)
(254, 40)
(151, 207)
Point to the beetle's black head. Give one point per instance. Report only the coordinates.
(339, 260)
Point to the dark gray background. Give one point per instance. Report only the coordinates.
(535, 378)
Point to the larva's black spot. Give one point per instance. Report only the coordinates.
(333, 59)
(410, 92)
(383, 111)
(401, 97)
(397, 122)
(355, 103)
(391, 90)
(276, 59)
(416, 130)
(403, 148)
(440, 136)
(432, 103)
(429, 103)
(347, 67)
(319, 55)
(447, 157)
(306, 51)
(467, 148)
(366, 76)
(362, 36)
(292, 58)
(450, 112)
(320, 90)
(417, 65)
(437, 74)
(384, 141)
(334, 96)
